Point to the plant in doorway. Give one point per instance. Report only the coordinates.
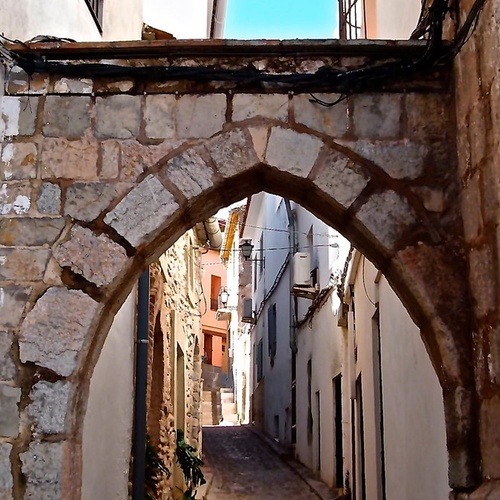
(154, 471)
(190, 464)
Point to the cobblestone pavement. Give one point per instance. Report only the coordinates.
(242, 466)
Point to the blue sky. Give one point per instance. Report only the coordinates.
(280, 19)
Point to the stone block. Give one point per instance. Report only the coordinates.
(13, 300)
(259, 140)
(9, 410)
(232, 153)
(97, 258)
(19, 82)
(332, 121)
(54, 330)
(292, 152)
(428, 115)
(86, 200)
(15, 198)
(30, 231)
(66, 116)
(189, 172)
(143, 212)
(490, 436)
(377, 116)
(340, 178)
(64, 159)
(8, 370)
(482, 280)
(6, 482)
(110, 159)
(49, 199)
(387, 216)
(18, 115)
(23, 264)
(73, 86)
(49, 406)
(160, 116)
(42, 466)
(118, 116)
(471, 209)
(272, 106)
(18, 161)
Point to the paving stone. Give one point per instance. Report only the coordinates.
(19, 82)
(64, 159)
(66, 116)
(110, 159)
(18, 115)
(97, 258)
(292, 152)
(18, 161)
(387, 216)
(42, 465)
(15, 198)
(13, 300)
(232, 153)
(340, 178)
(273, 106)
(377, 116)
(143, 212)
(30, 231)
(23, 264)
(54, 330)
(49, 199)
(118, 116)
(9, 411)
(73, 86)
(6, 482)
(332, 121)
(86, 200)
(8, 370)
(49, 406)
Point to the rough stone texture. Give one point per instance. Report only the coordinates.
(13, 300)
(482, 279)
(54, 330)
(490, 436)
(471, 205)
(86, 200)
(49, 199)
(18, 161)
(73, 85)
(189, 172)
(341, 179)
(292, 152)
(22, 264)
(259, 140)
(66, 116)
(49, 406)
(377, 116)
(8, 369)
(97, 258)
(42, 465)
(332, 121)
(110, 159)
(398, 215)
(15, 198)
(432, 123)
(18, 115)
(30, 231)
(143, 212)
(20, 82)
(9, 411)
(232, 153)
(6, 482)
(118, 116)
(63, 159)
(273, 106)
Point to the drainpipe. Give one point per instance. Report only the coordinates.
(141, 381)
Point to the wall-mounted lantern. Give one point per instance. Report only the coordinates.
(246, 249)
(223, 297)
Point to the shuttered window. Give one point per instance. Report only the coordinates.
(95, 7)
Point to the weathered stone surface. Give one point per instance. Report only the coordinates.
(9, 411)
(341, 178)
(143, 212)
(292, 152)
(110, 159)
(18, 115)
(8, 369)
(97, 258)
(274, 106)
(6, 482)
(13, 300)
(49, 406)
(387, 216)
(189, 172)
(54, 330)
(471, 206)
(68, 159)
(377, 116)
(86, 200)
(30, 231)
(482, 280)
(49, 199)
(22, 264)
(432, 199)
(73, 86)
(18, 161)
(19, 82)
(432, 123)
(15, 198)
(259, 140)
(66, 116)
(118, 116)
(332, 121)
(490, 436)
(42, 465)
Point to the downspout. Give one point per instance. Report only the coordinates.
(141, 381)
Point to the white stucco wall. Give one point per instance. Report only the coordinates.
(392, 19)
(107, 427)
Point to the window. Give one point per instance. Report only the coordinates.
(215, 286)
(352, 19)
(271, 332)
(96, 8)
(259, 360)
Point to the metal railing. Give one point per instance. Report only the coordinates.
(352, 19)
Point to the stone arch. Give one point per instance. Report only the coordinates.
(354, 189)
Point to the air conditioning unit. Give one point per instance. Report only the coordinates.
(302, 269)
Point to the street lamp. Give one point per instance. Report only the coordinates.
(223, 297)
(246, 249)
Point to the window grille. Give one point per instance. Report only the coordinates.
(352, 19)
(96, 7)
